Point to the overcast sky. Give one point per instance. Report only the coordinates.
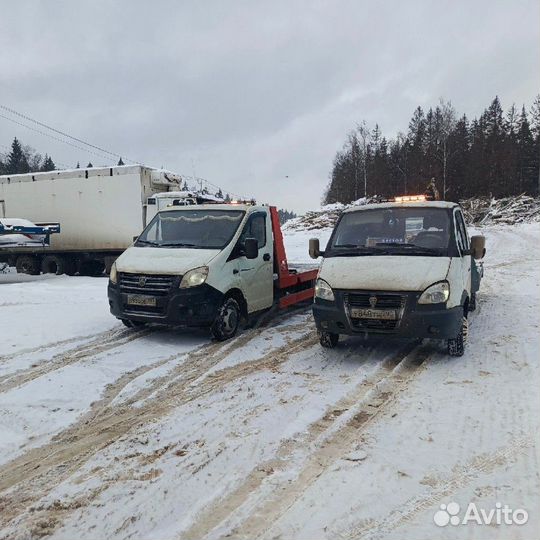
(256, 96)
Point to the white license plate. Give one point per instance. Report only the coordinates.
(380, 314)
(138, 300)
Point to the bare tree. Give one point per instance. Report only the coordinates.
(355, 156)
(448, 123)
(365, 137)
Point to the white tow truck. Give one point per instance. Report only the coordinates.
(404, 268)
(206, 265)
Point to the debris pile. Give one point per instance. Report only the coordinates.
(506, 211)
(477, 211)
(323, 218)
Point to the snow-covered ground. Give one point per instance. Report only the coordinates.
(156, 434)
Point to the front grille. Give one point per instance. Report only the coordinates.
(373, 324)
(144, 310)
(154, 285)
(384, 301)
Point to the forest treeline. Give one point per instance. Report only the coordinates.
(495, 155)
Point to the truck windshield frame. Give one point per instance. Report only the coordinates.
(397, 230)
(191, 228)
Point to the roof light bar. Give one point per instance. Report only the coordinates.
(410, 198)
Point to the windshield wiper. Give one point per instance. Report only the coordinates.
(147, 242)
(412, 247)
(353, 249)
(178, 244)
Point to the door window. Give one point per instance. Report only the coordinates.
(461, 232)
(255, 228)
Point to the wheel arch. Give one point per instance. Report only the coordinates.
(465, 299)
(239, 297)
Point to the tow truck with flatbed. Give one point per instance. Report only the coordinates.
(207, 265)
(401, 268)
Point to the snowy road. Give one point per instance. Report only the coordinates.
(158, 434)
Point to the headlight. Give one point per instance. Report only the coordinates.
(113, 275)
(194, 277)
(437, 293)
(323, 290)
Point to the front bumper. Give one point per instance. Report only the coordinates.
(195, 306)
(414, 320)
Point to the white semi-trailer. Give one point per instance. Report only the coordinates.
(100, 211)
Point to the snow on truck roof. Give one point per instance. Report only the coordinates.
(426, 204)
(213, 206)
(84, 172)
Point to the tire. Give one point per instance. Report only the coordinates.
(456, 346)
(472, 302)
(227, 320)
(132, 324)
(70, 266)
(26, 264)
(328, 340)
(93, 268)
(53, 264)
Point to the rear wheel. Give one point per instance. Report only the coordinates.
(26, 264)
(93, 268)
(52, 264)
(227, 321)
(328, 340)
(456, 346)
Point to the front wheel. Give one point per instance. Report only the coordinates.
(328, 340)
(227, 321)
(456, 346)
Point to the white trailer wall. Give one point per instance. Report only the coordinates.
(100, 212)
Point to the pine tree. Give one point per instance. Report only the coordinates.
(48, 164)
(417, 165)
(494, 148)
(527, 158)
(494, 155)
(120, 162)
(459, 184)
(89, 166)
(78, 166)
(16, 162)
(535, 128)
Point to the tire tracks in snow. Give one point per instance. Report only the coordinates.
(441, 489)
(54, 344)
(273, 486)
(29, 477)
(105, 342)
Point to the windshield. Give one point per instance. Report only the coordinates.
(402, 230)
(203, 229)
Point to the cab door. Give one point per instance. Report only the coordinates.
(464, 246)
(256, 275)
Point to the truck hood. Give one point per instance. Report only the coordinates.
(147, 260)
(384, 273)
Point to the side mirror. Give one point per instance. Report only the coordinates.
(478, 246)
(314, 248)
(251, 248)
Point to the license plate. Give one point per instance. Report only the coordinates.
(380, 314)
(137, 300)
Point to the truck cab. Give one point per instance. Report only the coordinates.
(206, 265)
(405, 268)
